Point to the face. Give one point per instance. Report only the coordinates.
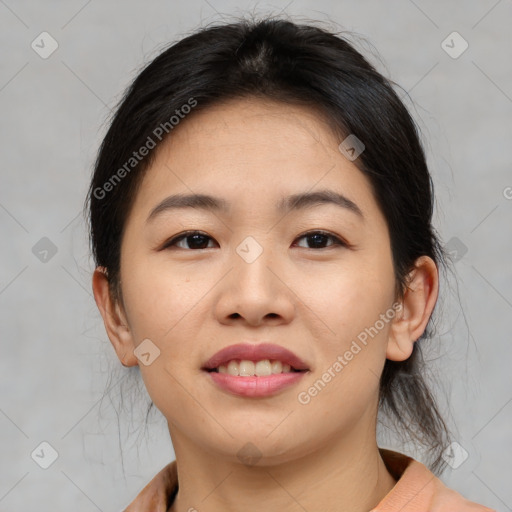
(316, 279)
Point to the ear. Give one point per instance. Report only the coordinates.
(114, 319)
(418, 303)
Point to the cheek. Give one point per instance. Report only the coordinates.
(158, 298)
(350, 301)
(345, 384)
(348, 298)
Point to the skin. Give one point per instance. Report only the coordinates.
(190, 303)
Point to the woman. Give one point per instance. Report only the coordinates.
(260, 217)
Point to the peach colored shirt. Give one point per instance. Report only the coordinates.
(417, 489)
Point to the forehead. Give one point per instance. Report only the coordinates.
(250, 151)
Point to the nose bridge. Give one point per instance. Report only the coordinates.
(254, 289)
(251, 261)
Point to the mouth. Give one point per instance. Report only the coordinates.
(255, 371)
(247, 360)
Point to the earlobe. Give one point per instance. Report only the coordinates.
(418, 303)
(114, 319)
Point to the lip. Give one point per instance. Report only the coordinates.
(249, 352)
(255, 387)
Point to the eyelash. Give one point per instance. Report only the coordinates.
(183, 236)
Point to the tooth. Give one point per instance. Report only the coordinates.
(233, 368)
(246, 368)
(277, 367)
(263, 368)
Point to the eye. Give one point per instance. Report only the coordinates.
(195, 239)
(319, 238)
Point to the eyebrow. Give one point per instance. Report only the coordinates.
(285, 205)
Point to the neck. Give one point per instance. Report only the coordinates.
(342, 476)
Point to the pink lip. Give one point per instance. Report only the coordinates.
(255, 386)
(255, 353)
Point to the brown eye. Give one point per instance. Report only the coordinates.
(319, 239)
(194, 239)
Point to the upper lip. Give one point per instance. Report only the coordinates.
(249, 352)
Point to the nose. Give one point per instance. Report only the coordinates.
(255, 293)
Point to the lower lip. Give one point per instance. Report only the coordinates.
(256, 386)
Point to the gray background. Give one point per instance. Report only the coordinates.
(56, 357)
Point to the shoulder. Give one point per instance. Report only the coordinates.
(418, 490)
